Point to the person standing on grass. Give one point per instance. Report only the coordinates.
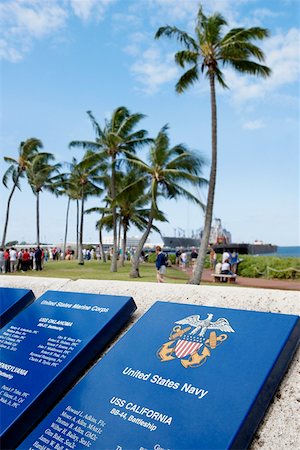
(2, 261)
(25, 260)
(7, 260)
(38, 258)
(234, 260)
(160, 264)
(13, 259)
(20, 256)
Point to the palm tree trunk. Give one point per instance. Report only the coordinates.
(102, 252)
(119, 235)
(66, 229)
(135, 273)
(38, 218)
(113, 266)
(196, 279)
(122, 263)
(80, 256)
(7, 210)
(77, 228)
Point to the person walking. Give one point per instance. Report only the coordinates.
(177, 254)
(194, 256)
(213, 259)
(160, 264)
(183, 258)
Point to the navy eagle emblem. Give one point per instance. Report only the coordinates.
(192, 339)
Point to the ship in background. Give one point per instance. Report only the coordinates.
(220, 239)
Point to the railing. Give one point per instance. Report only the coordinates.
(269, 269)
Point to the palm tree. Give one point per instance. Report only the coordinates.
(42, 175)
(87, 179)
(206, 53)
(69, 188)
(113, 140)
(131, 207)
(169, 172)
(17, 170)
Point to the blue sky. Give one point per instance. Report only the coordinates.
(60, 58)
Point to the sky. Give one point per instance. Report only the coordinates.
(60, 58)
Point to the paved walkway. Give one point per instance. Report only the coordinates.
(293, 285)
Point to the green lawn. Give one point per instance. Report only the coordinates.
(99, 271)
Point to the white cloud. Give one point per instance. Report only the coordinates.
(282, 56)
(254, 125)
(23, 21)
(85, 9)
(153, 70)
(173, 9)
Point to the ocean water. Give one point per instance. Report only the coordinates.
(292, 252)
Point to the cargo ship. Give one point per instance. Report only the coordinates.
(220, 240)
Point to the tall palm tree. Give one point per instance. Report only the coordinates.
(17, 170)
(207, 52)
(42, 175)
(86, 177)
(69, 188)
(169, 172)
(116, 137)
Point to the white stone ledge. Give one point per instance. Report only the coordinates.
(279, 429)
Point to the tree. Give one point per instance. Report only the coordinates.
(69, 188)
(113, 140)
(17, 170)
(42, 175)
(169, 172)
(86, 177)
(206, 53)
(132, 208)
(131, 205)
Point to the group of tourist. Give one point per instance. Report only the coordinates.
(182, 258)
(12, 260)
(229, 263)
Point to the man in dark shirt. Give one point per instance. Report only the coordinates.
(160, 264)
(38, 258)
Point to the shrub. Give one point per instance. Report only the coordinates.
(269, 267)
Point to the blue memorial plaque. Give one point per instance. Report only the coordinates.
(184, 377)
(12, 301)
(46, 347)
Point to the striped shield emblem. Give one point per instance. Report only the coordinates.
(184, 348)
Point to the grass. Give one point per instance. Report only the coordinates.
(94, 270)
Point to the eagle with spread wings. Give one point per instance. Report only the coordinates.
(206, 324)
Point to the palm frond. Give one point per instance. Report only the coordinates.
(118, 116)
(85, 145)
(218, 74)
(245, 35)
(7, 174)
(129, 123)
(96, 126)
(186, 57)
(10, 160)
(187, 79)
(181, 36)
(251, 68)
